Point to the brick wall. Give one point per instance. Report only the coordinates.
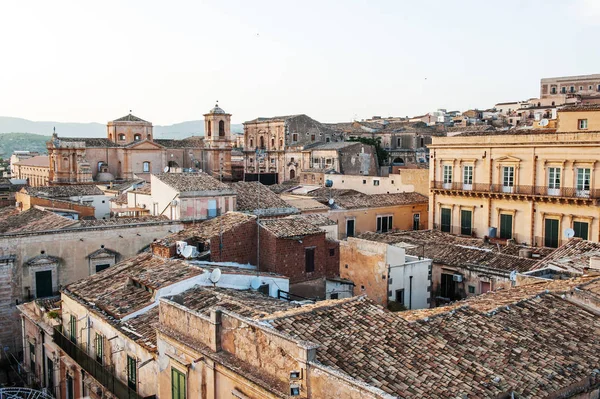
(28, 201)
(286, 256)
(239, 245)
(164, 251)
(332, 264)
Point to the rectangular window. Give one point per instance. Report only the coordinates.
(447, 174)
(178, 390)
(551, 233)
(334, 295)
(73, 328)
(32, 358)
(468, 175)
(350, 228)
(400, 296)
(416, 221)
(553, 181)
(375, 182)
(581, 229)
(50, 364)
(506, 226)
(146, 167)
(384, 224)
(582, 124)
(446, 219)
(99, 344)
(508, 176)
(583, 179)
(465, 222)
(471, 289)
(131, 373)
(309, 259)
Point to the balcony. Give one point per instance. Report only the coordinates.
(464, 231)
(103, 375)
(526, 192)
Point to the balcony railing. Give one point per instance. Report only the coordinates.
(456, 230)
(546, 191)
(99, 372)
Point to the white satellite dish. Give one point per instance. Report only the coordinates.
(331, 201)
(166, 169)
(544, 122)
(513, 275)
(569, 233)
(255, 283)
(188, 251)
(215, 276)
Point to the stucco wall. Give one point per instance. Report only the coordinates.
(364, 262)
(406, 181)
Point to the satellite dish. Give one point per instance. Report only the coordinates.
(544, 122)
(255, 283)
(328, 183)
(331, 201)
(187, 251)
(569, 233)
(513, 275)
(215, 276)
(166, 169)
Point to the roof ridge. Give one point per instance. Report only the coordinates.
(309, 308)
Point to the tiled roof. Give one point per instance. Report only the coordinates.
(125, 287)
(573, 257)
(40, 160)
(304, 203)
(290, 227)
(120, 199)
(130, 118)
(32, 220)
(188, 182)
(124, 185)
(323, 193)
(534, 345)
(332, 145)
(91, 142)
(274, 118)
(122, 221)
(64, 191)
(456, 251)
(208, 229)
(186, 143)
(317, 219)
(379, 200)
(474, 128)
(254, 195)
(581, 107)
(285, 186)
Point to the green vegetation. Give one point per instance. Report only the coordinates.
(394, 306)
(10, 142)
(382, 155)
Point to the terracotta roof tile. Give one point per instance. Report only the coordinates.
(40, 160)
(32, 220)
(290, 227)
(188, 182)
(574, 256)
(251, 196)
(63, 191)
(379, 200)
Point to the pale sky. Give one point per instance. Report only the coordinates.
(168, 61)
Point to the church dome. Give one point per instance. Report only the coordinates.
(105, 177)
(217, 110)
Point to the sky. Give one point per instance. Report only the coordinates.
(170, 61)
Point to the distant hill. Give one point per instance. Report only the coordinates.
(10, 142)
(93, 129)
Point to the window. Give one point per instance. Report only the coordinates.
(221, 128)
(262, 142)
(73, 328)
(375, 182)
(312, 137)
(70, 387)
(272, 143)
(50, 368)
(364, 182)
(384, 224)
(581, 229)
(553, 181)
(471, 289)
(399, 296)
(466, 219)
(506, 221)
(146, 167)
(416, 221)
(551, 233)
(121, 137)
(468, 174)
(349, 227)
(446, 219)
(590, 87)
(178, 390)
(553, 90)
(327, 140)
(32, 358)
(582, 124)
(294, 137)
(572, 89)
(583, 181)
(209, 128)
(137, 137)
(580, 88)
(309, 259)
(251, 143)
(99, 344)
(447, 174)
(280, 143)
(131, 373)
(508, 178)
(273, 161)
(334, 295)
(563, 90)
(331, 251)
(598, 88)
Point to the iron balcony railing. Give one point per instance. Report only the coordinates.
(562, 192)
(456, 230)
(99, 372)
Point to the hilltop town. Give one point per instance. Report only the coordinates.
(454, 254)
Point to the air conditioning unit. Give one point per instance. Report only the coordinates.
(457, 277)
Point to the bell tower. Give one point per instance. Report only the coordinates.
(217, 143)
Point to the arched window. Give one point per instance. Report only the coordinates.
(262, 142)
(137, 137)
(149, 137)
(398, 161)
(146, 167)
(121, 137)
(272, 143)
(209, 127)
(221, 128)
(280, 144)
(251, 143)
(110, 137)
(292, 174)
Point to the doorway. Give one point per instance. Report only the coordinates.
(350, 228)
(43, 284)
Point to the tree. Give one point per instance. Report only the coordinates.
(382, 155)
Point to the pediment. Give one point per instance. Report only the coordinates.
(145, 145)
(508, 158)
(42, 260)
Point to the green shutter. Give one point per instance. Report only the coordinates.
(581, 229)
(446, 219)
(465, 222)
(506, 223)
(178, 389)
(551, 233)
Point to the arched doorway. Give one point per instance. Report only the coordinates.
(292, 174)
(173, 164)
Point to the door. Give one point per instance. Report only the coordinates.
(581, 230)
(468, 177)
(43, 284)
(506, 223)
(508, 179)
(416, 221)
(551, 233)
(553, 181)
(350, 228)
(465, 223)
(212, 208)
(446, 219)
(70, 387)
(485, 287)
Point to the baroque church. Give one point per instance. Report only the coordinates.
(130, 151)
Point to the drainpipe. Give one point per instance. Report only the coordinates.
(42, 336)
(410, 292)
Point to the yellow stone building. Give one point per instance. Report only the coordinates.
(530, 185)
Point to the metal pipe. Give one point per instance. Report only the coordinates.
(410, 292)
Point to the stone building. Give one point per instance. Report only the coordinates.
(527, 185)
(88, 200)
(36, 170)
(130, 150)
(580, 85)
(214, 342)
(42, 251)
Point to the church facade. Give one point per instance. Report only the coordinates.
(130, 151)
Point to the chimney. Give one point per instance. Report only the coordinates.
(595, 262)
